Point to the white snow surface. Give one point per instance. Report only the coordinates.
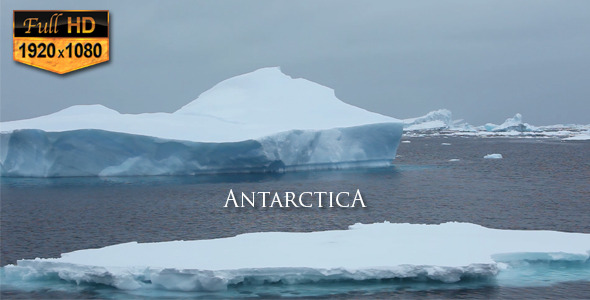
(444, 252)
(248, 106)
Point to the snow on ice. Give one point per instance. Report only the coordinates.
(445, 252)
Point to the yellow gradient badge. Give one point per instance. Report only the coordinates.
(61, 41)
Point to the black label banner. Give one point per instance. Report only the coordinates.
(45, 23)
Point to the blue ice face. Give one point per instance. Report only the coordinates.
(90, 152)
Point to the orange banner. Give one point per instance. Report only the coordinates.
(61, 41)
(61, 55)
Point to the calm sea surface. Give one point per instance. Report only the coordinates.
(539, 184)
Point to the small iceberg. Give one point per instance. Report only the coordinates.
(493, 156)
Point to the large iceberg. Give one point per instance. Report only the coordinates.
(448, 253)
(260, 121)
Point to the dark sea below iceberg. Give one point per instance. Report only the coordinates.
(539, 184)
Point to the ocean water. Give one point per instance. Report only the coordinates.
(539, 184)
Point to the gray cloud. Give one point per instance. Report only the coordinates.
(484, 60)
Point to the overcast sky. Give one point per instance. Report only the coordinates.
(483, 60)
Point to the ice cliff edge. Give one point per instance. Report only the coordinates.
(260, 121)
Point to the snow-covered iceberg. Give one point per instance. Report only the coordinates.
(447, 253)
(438, 119)
(511, 124)
(260, 121)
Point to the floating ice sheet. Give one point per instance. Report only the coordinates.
(446, 253)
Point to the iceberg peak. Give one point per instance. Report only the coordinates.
(514, 121)
(85, 110)
(269, 96)
(265, 86)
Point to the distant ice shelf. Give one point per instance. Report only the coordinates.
(584, 136)
(440, 122)
(447, 253)
(264, 121)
